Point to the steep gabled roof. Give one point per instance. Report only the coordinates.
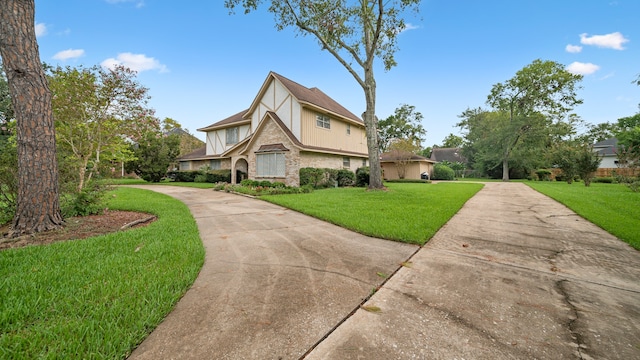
(447, 154)
(313, 97)
(233, 119)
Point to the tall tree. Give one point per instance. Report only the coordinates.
(540, 88)
(355, 33)
(95, 110)
(404, 124)
(38, 203)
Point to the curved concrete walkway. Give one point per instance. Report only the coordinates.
(513, 275)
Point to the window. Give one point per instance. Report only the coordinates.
(232, 135)
(214, 164)
(364, 162)
(185, 165)
(270, 165)
(346, 162)
(348, 129)
(323, 121)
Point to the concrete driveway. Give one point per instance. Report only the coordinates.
(514, 275)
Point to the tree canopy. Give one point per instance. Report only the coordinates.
(96, 110)
(524, 108)
(355, 32)
(404, 124)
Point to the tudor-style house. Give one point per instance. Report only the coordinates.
(286, 127)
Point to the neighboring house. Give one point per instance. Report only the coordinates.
(608, 150)
(286, 127)
(447, 154)
(414, 166)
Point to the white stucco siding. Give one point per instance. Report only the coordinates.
(277, 98)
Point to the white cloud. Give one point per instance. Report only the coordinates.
(410, 26)
(41, 29)
(136, 62)
(573, 48)
(69, 54)
(612, 41)
(139, 3)
(582, 68)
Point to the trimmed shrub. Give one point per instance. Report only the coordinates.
(442, 172)
(89, 201)
(543, 174)
(606, 180)
(216, 176)
(346, 177)
(311, 176)
(362, 176)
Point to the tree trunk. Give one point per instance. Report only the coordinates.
(505, 168)
(371, 127)
(38, 207)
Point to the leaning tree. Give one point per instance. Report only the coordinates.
(355, 32)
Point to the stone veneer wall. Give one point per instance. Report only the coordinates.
(272, 134)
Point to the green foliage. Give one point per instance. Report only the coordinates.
(452, 141)
(362, 176)
(410, 213)
(88, 201)
(345, 177)
(405, 124)
(525, 109)
(604, 180)
(543, 174)
(98, 298)
(95, 109)
(320, 178)
(442, 172)
(153, 155)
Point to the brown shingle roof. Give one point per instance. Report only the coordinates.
(448, 154)
(230, 120)
(391, 156)
(272, 147)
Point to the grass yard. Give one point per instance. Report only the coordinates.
(410, 213)
(164, 182)
(613, 207)
(99, 297)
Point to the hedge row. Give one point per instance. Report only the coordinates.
(324, 177)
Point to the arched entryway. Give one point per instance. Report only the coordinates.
(240, 170)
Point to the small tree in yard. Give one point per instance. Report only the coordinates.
(402, 151)
(576, 159)
(587, 163)
(95, 110)
(153, 155)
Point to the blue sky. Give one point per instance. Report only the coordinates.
(202, 65)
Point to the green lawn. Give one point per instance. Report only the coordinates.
(99, 297)
(410, 213)
(613, 207)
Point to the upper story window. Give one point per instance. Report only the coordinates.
(348, 129)
(323, 121)
(232, 135)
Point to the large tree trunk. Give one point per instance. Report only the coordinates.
(505, 169)
(371, 126)
(38, 207)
